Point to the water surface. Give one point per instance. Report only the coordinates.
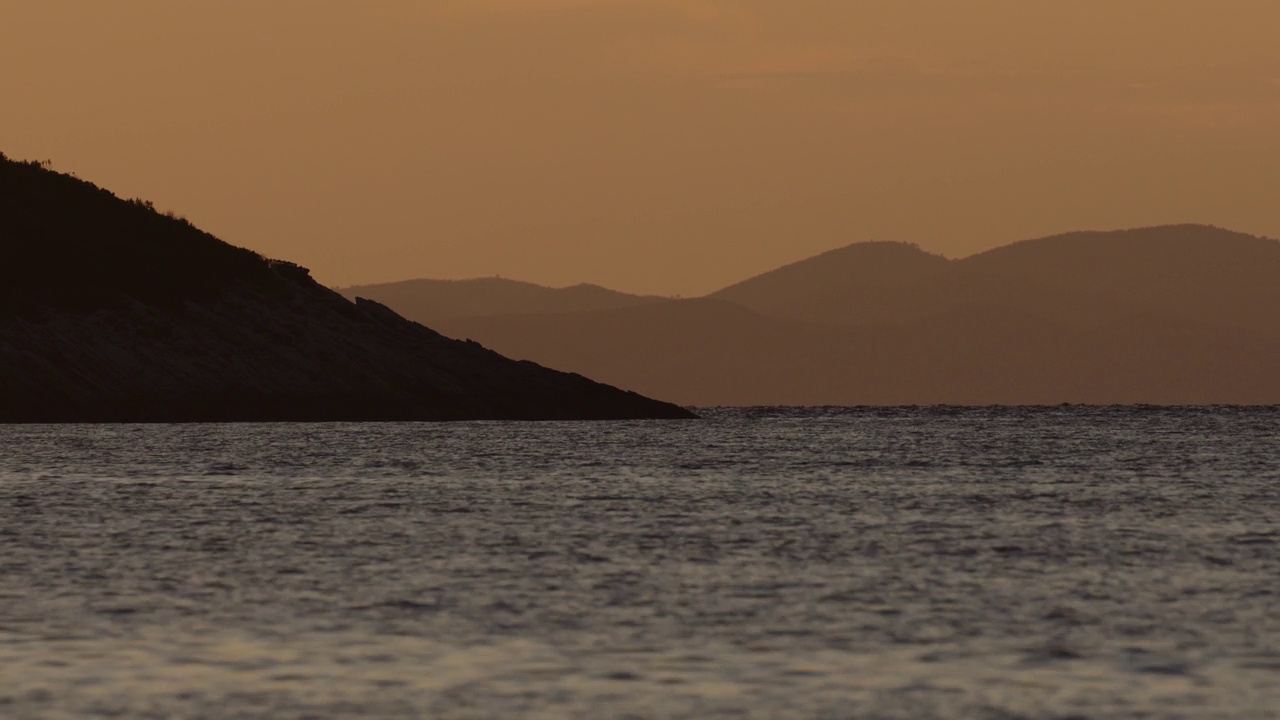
(913, 563)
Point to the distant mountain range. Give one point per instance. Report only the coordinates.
(1184, 314)
(111, 311)
(432, 301)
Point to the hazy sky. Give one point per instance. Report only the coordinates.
(667, 146)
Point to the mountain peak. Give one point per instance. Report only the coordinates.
(823, 287)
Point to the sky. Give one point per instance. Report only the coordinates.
(656, 146)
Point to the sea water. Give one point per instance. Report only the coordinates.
(768, 563)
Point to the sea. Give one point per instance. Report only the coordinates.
(999, 563)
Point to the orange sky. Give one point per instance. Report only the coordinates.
(667, 146)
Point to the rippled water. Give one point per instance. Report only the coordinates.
(1050, 563)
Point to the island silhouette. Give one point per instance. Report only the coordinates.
(1179, 314)
(112, 311)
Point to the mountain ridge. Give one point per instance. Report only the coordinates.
(428, 300)
(112, 312)
(1187, 327)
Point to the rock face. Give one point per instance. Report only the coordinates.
(110, 311)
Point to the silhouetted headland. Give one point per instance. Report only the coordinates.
(111, 311)
(1182, 314)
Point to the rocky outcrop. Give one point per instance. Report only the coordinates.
(110, 311)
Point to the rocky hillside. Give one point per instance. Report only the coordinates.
(110, 311)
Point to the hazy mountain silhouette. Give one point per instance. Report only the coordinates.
(1178, 314)
(428, 301)
(1195, 271)
(866, 283)
(731, 356)
(110, 311)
